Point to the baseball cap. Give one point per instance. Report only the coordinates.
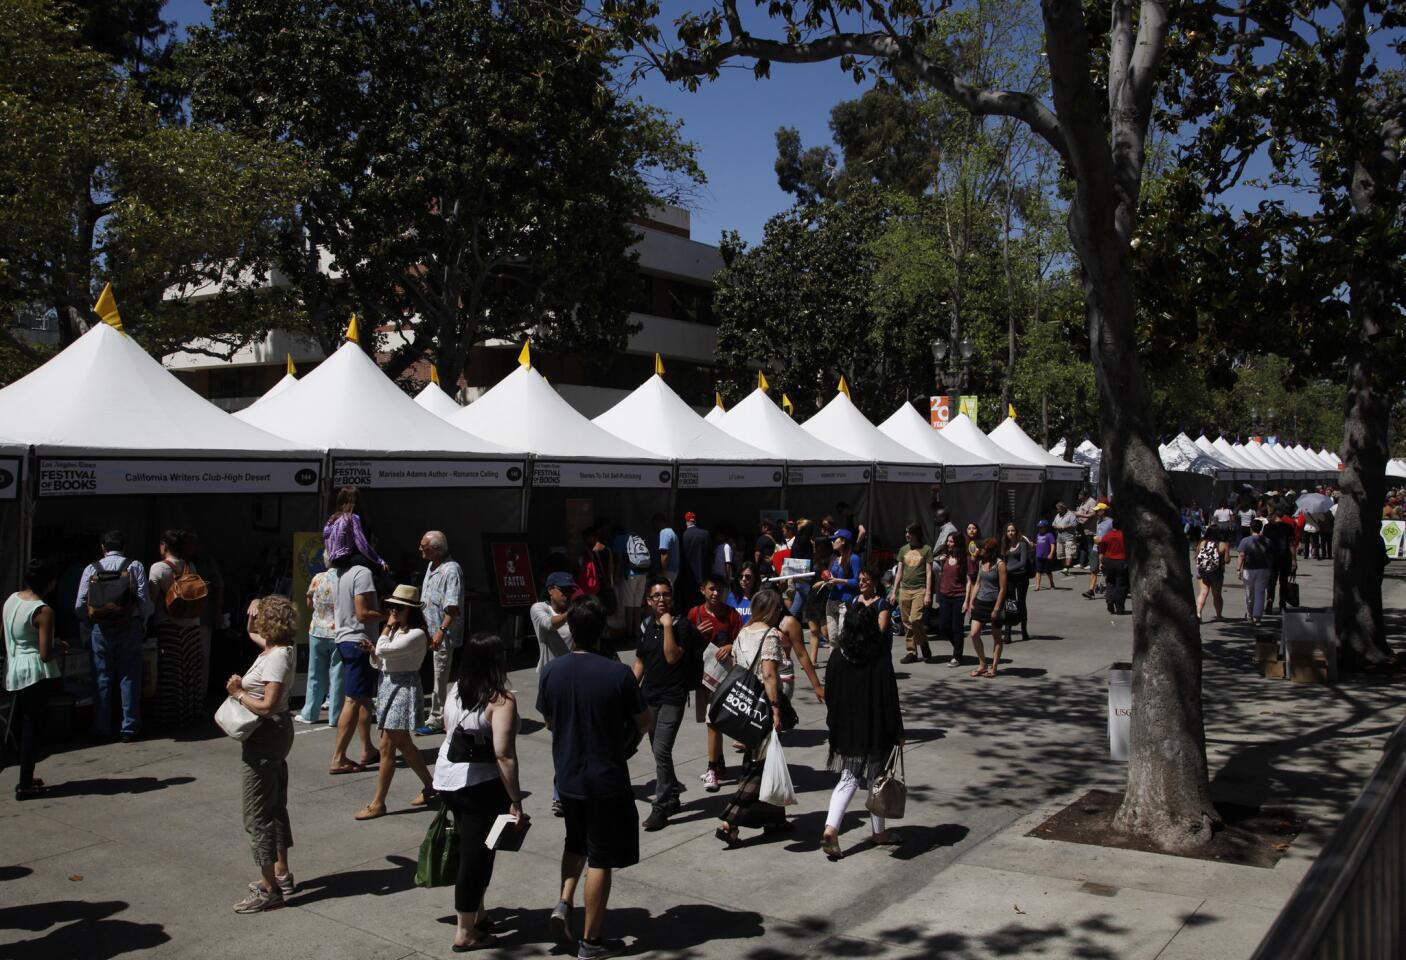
(561, 580)
(842, 534)
(1100, 506)
(690, 517)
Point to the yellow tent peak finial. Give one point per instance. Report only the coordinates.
(106, 308)
(353, 331)
(524, 357)
(844, 387)
(658, 365)
(762, 385)
(718, 400)
(787, 405)
(1010, 410)
(292, 370)
(434, 374)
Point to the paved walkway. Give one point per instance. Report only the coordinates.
(139, 851)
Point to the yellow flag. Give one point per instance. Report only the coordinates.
(524, 357)
(718, 400)
(787, 405)
(106, 308)
(434, 374)
(844, 387)
(292, 370)
(658, 365)
(353, 331)
(762, 385)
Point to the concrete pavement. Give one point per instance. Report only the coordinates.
(140, 851)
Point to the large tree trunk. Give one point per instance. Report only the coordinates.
(1359, 558)
(1168, 794)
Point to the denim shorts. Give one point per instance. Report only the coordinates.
(359, 678)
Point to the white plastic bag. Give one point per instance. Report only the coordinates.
(776, 779)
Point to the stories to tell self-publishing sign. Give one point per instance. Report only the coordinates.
(711, 476)
(83, 477)
(9, 478)
(402, 474)
(558, 473)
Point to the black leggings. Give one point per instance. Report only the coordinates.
(949, 623)
(31, 716)
(475, 808)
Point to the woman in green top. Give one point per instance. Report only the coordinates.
(30, 663)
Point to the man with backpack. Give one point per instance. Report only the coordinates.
(112, 599)
(635, 559)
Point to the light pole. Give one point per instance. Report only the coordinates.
(955, 373)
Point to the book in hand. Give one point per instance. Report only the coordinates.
(505, 835)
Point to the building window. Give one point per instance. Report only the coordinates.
(674, 299)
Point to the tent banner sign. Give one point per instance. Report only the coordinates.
(553, 473)
(409, 474)
(1019, 475)
(971, 474)
(1394, 539)
(9, 478)
(1070, 472)
(77, 477)
(715, 476)
(906, 473)
(819, 474)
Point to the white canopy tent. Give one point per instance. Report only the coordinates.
(1087, 454)
(1020, 494)
(1305, 460)
(437, 402)
(415, 471)
(1196, 475)
(1058, 449)
(1267, 469)
(12, 550)
(1273, 453)
(119, 442)
(1063, 480)
(581, 473)
(715, 415)
(273, 391)
(1396, 469)
(907, 481)
(1247, 470)
(1331, 459)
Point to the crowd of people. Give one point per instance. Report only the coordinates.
(693, 606)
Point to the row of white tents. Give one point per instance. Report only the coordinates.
(103, 436)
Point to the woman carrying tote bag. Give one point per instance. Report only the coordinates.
(862, 715)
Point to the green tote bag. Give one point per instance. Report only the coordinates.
(439, 853)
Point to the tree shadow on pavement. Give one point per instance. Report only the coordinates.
(399, 876)
(687, 930)
(82, 929)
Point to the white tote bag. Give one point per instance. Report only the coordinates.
(776, 779)
(235, 719)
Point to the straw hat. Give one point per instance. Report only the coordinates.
(405, 596)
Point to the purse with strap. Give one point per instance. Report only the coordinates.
(236, 720)
(888, 796)
(185, 597)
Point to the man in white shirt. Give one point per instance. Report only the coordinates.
(549, 619)
(442, 591)
(1066, 528)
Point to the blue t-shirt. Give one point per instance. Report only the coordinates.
(846, 586)
(591, 702)
(668, 540)
(743, 606)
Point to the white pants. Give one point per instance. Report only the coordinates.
(839, 803)
(443, 658)
(1256, 585)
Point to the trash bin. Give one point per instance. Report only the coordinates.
(1120, 710)
(1311, 632)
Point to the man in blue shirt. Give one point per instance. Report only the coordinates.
(593, 706)
(116, 638)
(842, 583)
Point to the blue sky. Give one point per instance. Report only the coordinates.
(734, 124)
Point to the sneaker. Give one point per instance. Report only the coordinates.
(587, 950)
(710, 780)
(954, 662)
(428, 730)
(557, 810)
(299, 718)
(657, 820)
(260, 900)
(559, 924)
(286, 884)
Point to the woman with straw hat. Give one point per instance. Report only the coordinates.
(398, 654)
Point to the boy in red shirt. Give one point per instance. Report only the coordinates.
(719, 624)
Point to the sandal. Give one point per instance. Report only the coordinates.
(369, 812)
(424, 797)
(830, 846)
(485, 941)
(727, 835)
(780, 826)
(373, 761)
(347, 767)
(30, 792)
(989, 674)
(979, 672)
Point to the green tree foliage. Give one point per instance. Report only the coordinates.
(99, 180)
(475, 169)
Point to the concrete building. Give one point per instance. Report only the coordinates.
(672, 307)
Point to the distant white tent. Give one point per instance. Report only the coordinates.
(760, 422)
(1010, 437)
(970, 483)
(1182, 455)
(967, 435)
(273, 391)
(1022, 485)
(715, 415)
(1396, 469)
(841, 424)
(437, 402)
(1058, 449)
(522, 409)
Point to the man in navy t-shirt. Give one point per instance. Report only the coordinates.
(597, 715)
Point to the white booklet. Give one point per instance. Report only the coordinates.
(505, 835)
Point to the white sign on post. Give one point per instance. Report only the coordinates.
(79, 477)
(405, 474)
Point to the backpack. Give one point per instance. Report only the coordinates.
(110, 594)
(637, 553)
(1208, 558)
(185, 597)
(588, 576)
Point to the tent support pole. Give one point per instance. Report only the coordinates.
(525, 522)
